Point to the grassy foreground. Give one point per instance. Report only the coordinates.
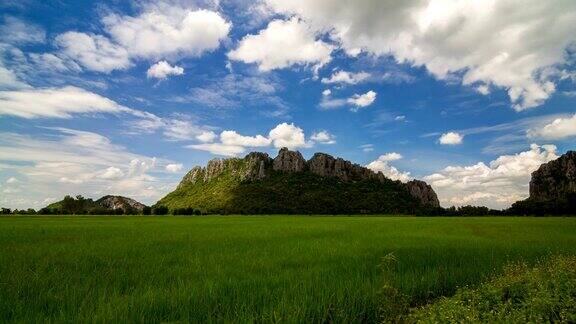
(297, 269)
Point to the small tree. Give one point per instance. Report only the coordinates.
(160, 210)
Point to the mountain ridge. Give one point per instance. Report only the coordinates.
(290, 177)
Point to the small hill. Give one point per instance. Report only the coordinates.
(288, 184)
(106, 205)
(119, 202)
(552, 189)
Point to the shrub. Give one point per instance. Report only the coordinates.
(542, 294)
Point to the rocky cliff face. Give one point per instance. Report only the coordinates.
(289, 161)
(119, 202)
(423, 192)
(257, 166)
(555, 179)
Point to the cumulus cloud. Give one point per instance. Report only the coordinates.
(346, 77)
(451, 138)
(155, 33)
(163, 69)
(323, 137)
(288, 135)
(326, 92)
(174, 167)
(497, 185)
(55, 103)
(283, 135)
(382, 164)
(479, 42)
(206, 136)
(232, 138)
(362, 100)
(168, 32)
(559, 128)
(281, 44)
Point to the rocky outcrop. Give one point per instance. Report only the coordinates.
(254, 166)
(257, 166)
(423, 192)
(554, 180)
(289, 161)
(119, 202)
(327, 166)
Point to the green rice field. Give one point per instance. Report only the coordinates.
(253, 268)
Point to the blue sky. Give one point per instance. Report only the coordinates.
(124, 97)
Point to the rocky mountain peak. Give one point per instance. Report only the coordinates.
(423, 192)
(257, 166)
(289, 161)
(120, 202)
(555, 179)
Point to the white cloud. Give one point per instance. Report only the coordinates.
(346, 77)
(281, 44)
(382, 164)
(481, 41)
(112, 173)
(288, 135)
(326, 92)
(323, 137)
(55, 103)
(497, 185)
(206, 137)
(451, 138)
(16, 31)
(51, 62)
(362, 100)
(163, 69)
(158, 32)
(392, 156)
(283, 135)
(174, 31)
(219, 148)
(94, 52)
(356, 101)
(12, 180)
(367, 148)
(232, 138)
(560, 128)
(400, 118)
(70, 158)
(174, 167)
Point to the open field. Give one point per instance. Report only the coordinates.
(252, 268)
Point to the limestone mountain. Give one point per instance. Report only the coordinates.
(288, 184)
(106, 205)
(120, 202)
(552, 189)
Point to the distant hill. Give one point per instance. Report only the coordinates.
(106, 205)
(552, 189)
(288, 184)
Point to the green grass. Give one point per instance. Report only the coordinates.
(543, 294)
(289, 269)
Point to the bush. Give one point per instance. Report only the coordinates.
(542, 294)
(160, 210)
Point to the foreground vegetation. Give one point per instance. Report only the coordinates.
(295, 269)
(543, 294)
